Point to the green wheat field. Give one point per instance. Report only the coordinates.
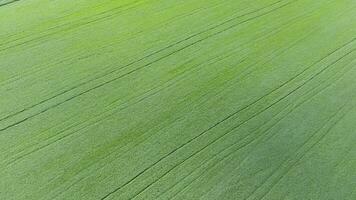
(177, 99)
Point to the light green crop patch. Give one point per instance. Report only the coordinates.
(167, 99)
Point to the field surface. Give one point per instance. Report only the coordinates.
(178, 99)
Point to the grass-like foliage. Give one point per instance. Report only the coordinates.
(178, 99)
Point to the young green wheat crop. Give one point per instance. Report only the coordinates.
(178, 99)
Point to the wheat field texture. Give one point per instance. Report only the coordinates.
(178, 99)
